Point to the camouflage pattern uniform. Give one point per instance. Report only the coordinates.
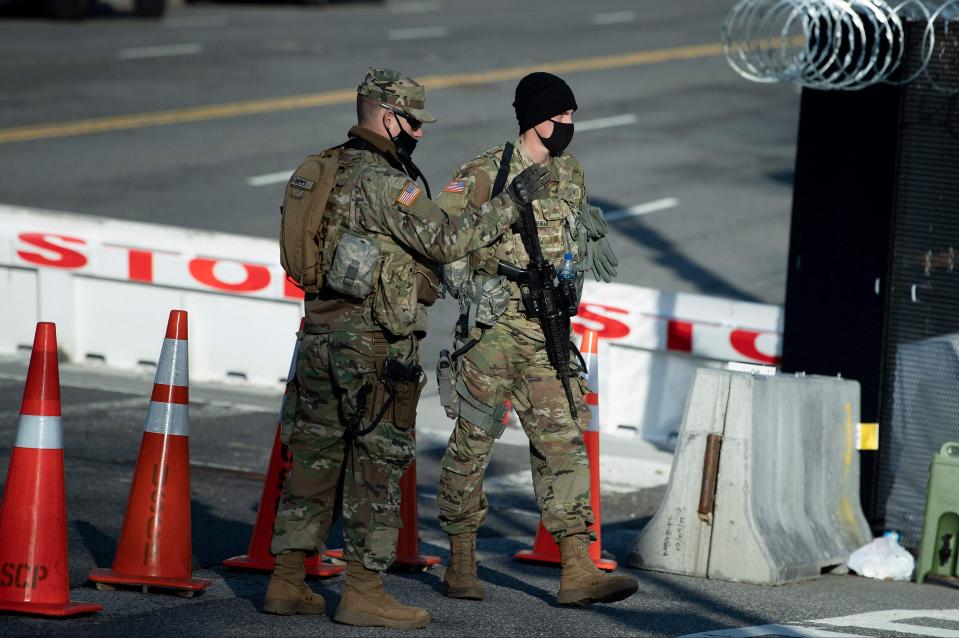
(338, 350)
(510, 362)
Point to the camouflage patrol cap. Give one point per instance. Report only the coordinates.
(395, 89)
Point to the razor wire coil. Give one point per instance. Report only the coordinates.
(840, 44)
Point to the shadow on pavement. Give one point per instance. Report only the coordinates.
(692, 598)
(668, 256)
(434, 578)
(214, 538)
(505, 580)
(102, 547)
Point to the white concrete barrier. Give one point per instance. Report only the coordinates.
(653, 341)
(109, 285)
(765, 481)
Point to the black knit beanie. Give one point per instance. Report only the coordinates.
(540, 96)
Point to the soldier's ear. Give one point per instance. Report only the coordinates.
(388, 117)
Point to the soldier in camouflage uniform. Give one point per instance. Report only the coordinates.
(350, 436)
(509, 360)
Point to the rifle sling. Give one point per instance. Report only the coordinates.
(500, 182)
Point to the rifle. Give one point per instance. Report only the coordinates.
(544, 300)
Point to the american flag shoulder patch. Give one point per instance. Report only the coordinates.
(455, 187)
(409, 194)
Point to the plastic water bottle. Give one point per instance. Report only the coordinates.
(567, 272)
(567, 284)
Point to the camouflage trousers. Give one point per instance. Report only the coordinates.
(364, 471)
(506, 365)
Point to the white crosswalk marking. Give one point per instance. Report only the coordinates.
(642, 209)
(614, 17)
(165, 51)
(269, 178)
(606, 122)
(772, 630)
(883, 621)
(414, 6)
(896, 620)
(417, 33)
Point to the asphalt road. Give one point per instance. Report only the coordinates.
(188, 120)
(721, 146)
(662, 119)
(231, 431)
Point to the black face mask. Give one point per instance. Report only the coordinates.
(405, 145)
(561, 137)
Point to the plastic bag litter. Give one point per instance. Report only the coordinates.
(883, 558)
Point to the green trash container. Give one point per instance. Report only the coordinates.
(940, 532)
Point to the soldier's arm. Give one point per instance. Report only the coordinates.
(398, 207)
(470, 187)
(580, 177)
(572, 179)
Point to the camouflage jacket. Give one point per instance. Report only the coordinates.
(378, 200)
(556, 218)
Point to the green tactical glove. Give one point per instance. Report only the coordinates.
(598, 254)
(594, 222)
(532, 183)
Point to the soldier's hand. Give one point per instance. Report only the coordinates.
(531, 184)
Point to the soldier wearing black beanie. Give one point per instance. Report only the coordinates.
(505, 353)
(539, 97)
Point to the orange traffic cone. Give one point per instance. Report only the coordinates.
(155, 544)
(545, 549)
(408, 557)
(258, 557)
(34, 576)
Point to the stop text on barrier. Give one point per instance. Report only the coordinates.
(154, 266)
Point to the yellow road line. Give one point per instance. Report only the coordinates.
(340, 96)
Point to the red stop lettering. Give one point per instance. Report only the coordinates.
(744, 342)
(257, 277)
(57, 256)
(609, 328)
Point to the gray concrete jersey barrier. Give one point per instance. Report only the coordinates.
(781, 502)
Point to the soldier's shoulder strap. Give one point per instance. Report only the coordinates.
(503, 173)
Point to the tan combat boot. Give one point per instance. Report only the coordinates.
(288, 593)
(365, 604)
(460, 580)
(582, 582)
